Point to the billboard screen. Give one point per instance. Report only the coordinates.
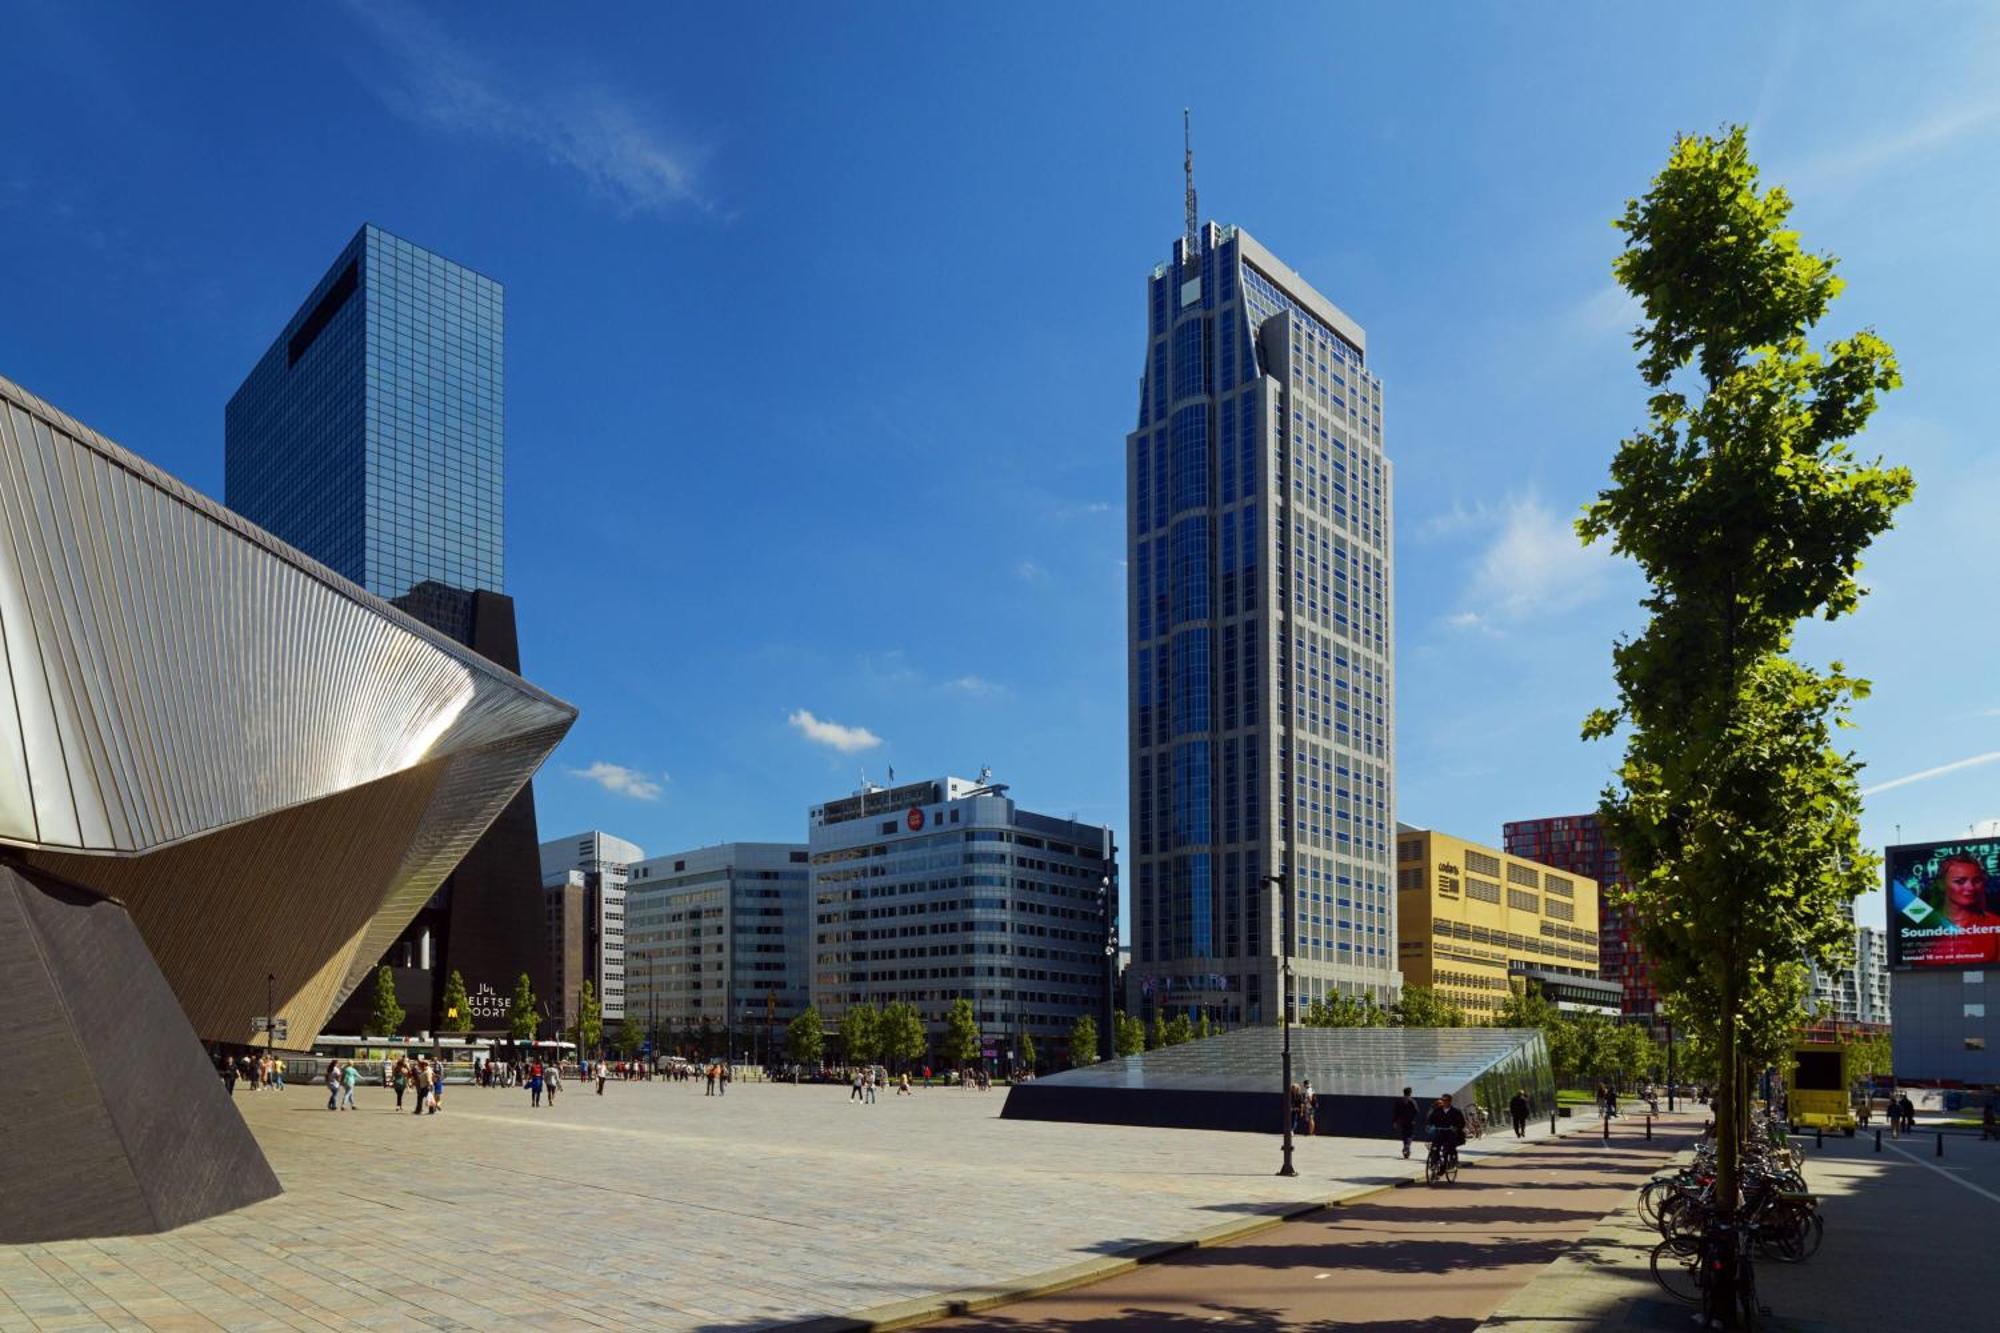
(1944, 903)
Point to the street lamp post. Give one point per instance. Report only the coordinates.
(270, 1015)
(1670, 1064)
(1284, 885)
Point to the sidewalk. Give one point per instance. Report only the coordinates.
(1411, 1258)
(1890, 1218)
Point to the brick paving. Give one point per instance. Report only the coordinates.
(657, 1207)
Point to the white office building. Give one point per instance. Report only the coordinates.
(586, 874)
(716, 941)
(932, 891)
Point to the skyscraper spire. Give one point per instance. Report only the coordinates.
(1191, 254)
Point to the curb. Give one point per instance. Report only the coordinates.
(973, 1300)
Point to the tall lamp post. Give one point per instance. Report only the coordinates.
(270, 1015)
(1284, 886)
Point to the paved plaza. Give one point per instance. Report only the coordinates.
(658, 1207)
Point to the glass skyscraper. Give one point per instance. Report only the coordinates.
(1262, 672)
(370, 433)
(369, 436)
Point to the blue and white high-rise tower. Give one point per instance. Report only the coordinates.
(1262, 668)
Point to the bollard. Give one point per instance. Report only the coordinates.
(1552, 1124)
(1649, 1129)
(1819, 1137)
(1878, 1140)
(1940, 1147)
(1607, 1129)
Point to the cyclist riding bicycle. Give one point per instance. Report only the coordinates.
(1447, 1124)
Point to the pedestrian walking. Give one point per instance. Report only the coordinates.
(399, 1078)
(348, 1078)
(1308, 1111)
(1518, 1108)
(229, 1076)
(868, 1086)
(535, 1084)
(332, 1085)
(854, 1086)
(1403, 1115)
(600, 1078)
(420, 1082)
(554, 1085)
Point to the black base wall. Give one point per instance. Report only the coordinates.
(1177, 1108)
(112, 1119)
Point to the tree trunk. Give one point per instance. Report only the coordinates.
(1728, 1108)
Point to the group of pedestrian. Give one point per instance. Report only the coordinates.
(1305, 1109)
(255, 1073)
(341, 1076)
(423, 1078)
(1902, 1114)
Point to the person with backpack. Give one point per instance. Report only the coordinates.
(1518, 1108)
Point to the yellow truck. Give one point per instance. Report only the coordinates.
(1820, 1096)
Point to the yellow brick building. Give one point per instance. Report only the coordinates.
(1468, 916)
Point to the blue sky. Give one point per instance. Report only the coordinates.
(824, 327)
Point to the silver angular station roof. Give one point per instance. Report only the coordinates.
(270, 767)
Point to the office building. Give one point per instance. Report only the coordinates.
(1476, 922)
(601, 864)
(932, 891)
(229, 779)
(1871, 976)
(1262, 673)
(718, 939)
(1576, 844)
(369, 435)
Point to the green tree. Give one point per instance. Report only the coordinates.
(1202, 1031)
(385, 1017)
(522, 1016)
(860, 1034)
(805, 1037)
(1028, 1048)
(1867, 1054)
(900, 1033)
(960, 1046)
(1083, 1042)
(1747, 512)
(630, 1039)
(1156, 1037)
(457, 1009)
(1345, 1011)
(1130, 1038)
(1422, 1007)
(1180, 1029)
(589, 1020)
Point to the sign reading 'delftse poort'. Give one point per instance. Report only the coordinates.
(483, 1002)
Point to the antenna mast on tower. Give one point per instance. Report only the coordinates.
(1191, 251)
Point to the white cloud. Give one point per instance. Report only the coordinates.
(1534, 566)
(594, 131)
(622, 781)
(978, 687)
(847, 740)
(1855, 161)
(1929, 773)
(1030, 572)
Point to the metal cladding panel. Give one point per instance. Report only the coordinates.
(173, 671)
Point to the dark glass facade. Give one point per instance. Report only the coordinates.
(370, 436)
(1261, 640)
(370, 433)
(1576, 843)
